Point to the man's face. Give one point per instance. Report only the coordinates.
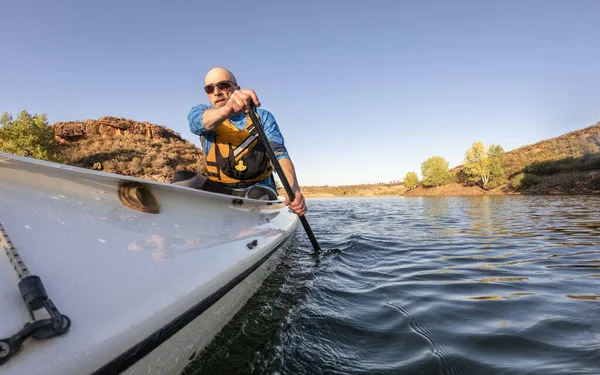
(219, 87)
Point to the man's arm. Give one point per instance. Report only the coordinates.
(298, 205)
(238, 102)
(277, 143)
(213, 117)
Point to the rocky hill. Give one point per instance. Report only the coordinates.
(575, 151)
(110, 127)
(127, 147)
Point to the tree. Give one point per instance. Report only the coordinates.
(484, 166)
(497, 172)
(411, 180)
(28, 135)
(435, 172)
(476, 164)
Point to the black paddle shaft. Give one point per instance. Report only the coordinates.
(286, 185)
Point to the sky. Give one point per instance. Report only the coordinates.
(363, 91)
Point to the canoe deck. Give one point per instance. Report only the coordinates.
(119, 273)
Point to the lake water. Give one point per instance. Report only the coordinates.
(454, 285)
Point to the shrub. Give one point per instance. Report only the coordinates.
(28, 135)
(435, 172)
(411, 180)
(523, 181)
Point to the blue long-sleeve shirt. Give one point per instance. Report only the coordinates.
(239, 121)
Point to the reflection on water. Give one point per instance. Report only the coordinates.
(473, 285)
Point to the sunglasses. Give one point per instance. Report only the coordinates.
(220, 85)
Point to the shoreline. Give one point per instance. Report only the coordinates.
(595, 194)
(569, 183)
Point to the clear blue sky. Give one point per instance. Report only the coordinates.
(363, 91)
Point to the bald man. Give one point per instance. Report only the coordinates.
(237, 162)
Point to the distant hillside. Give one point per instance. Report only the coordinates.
(127, 147)
(565, 164)
(574, 151)
(568, 164)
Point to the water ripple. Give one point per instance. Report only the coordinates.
(474, 285)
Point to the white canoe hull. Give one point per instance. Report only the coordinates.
(144, 291)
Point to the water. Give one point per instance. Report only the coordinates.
(473, 285)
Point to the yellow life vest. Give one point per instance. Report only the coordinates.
(237, 156)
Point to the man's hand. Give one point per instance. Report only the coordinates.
(298, 206)
(240, 101)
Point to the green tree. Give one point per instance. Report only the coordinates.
(411, 180)
(484, 166)
(435, 172)
(497, 163)
(28, 135)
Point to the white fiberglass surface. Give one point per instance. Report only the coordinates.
(118, 273)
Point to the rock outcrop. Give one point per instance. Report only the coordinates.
(127, 147)
(73, 131)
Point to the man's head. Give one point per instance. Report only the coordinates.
(219, 84)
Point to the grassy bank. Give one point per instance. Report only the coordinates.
(572, 183)
(363, 190)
